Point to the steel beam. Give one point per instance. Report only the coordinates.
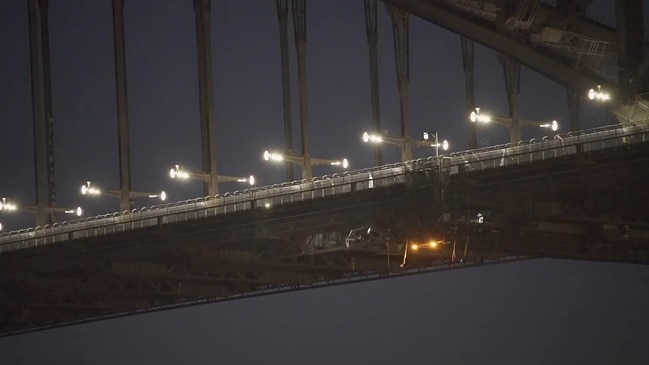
(299, 31)
(202, 9)
(282, 18)
(512, 73)
(40, 129)
(469, 88)
(573, 109)
(554, 67)
(630, 41)
(372, 43)
(400, 34)
(122, 105)
(47, 97)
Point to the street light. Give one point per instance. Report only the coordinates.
(380, 138)
(477, 116)
(7, 206)
(599, 95)
(401, 142)
(299, 160)
(12, 207)
(554, 125)
(89, 188)
(404, 143)
(178, 172)
(437, 145)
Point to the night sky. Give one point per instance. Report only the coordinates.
(537, 311)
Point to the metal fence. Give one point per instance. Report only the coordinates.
(271, 196)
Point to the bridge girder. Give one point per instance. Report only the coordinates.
(557, 68)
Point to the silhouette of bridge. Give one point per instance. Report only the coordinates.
(576, 195)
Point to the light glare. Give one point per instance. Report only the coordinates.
(344, 163)
(372, 138)
(78, 212)
(178, 172)
(598, 95)
(273, 156)
(9, 207)
(88, 189)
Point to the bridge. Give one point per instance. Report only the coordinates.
(453, 211)
(572, 195)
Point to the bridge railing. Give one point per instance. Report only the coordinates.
(541, 149)
(267, 197)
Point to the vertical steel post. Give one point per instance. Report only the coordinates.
(573, 109)
(512, 71)
(372, 42)
(282, 18)
(469, 88)
(37, 113)
(49, 123)
(202, 9)
(299, 29)
(630, 44)
(122, 105)
(401, 54)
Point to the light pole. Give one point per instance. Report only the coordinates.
(8, 206)
(480, 117)
(300, 160)
(437, 144)
(178, 172)
(401, 142)
(89, 188)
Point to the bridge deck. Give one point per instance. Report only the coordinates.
(536, 199)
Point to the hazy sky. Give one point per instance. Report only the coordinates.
(540, 311)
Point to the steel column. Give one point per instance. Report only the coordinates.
(122, 105)
(372, 42)
(202, 9)
(401, 54)
(282, 18)
(47, 94)
(512, 71)
(550, 66)
(469, 88)
(630, 45)
(299, 30)
(573, 109)
(40, 170)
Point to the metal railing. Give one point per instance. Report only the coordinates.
(267, 197)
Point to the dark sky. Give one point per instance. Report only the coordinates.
(540, 311)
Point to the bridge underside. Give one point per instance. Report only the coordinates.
(592, 210)
(258, 252)
(592, 207)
